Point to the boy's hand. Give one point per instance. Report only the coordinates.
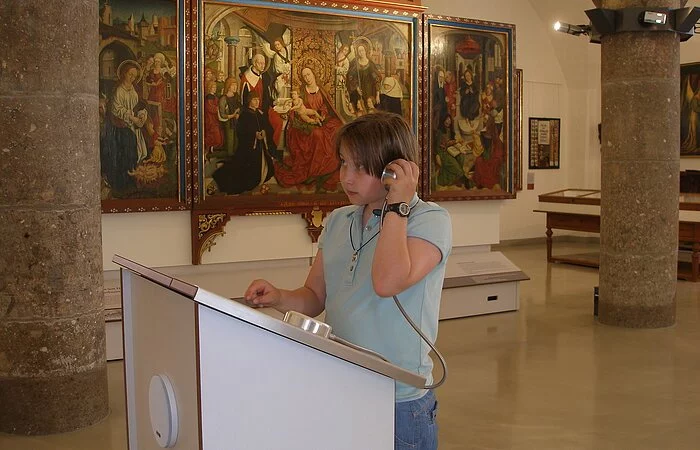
(261, 293)
(403, 187)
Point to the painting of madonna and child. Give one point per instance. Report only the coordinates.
(276, 86)
(139, 119)
(470, 129)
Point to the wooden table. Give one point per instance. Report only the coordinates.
(688, 233)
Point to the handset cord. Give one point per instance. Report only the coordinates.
(333, 337)
(415, 327)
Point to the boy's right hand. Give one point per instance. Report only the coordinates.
(261, 294)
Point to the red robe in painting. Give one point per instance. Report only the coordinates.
(312, 162)
(156, 95)
(213, 137)
(487, 169)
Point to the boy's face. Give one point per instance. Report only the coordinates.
(360, 187)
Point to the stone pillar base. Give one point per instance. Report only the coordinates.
(37, 405)
(637, 316)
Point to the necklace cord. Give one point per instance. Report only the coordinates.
(352, 244)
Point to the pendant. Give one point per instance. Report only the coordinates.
(353, 261)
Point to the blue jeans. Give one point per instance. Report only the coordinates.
(415, 425)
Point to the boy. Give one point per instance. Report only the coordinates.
(358, 268)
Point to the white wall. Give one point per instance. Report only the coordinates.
(557, 83)
(163, 239)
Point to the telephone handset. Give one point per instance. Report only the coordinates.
(387, 174)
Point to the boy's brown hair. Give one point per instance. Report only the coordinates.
(374, 140)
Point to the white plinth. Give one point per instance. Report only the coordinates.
(480, 283)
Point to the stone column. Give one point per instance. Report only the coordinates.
(640, 174)
(52, 338)
(232, 72)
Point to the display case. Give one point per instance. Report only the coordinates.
(584, 220)
(687, 201)
(575, 196)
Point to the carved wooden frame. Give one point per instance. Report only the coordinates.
(518, 129)
(448, 29)
(182, 200)
(207, 226)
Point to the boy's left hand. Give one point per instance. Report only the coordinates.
(404, 186)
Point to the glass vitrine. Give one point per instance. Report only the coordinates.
(572, 195)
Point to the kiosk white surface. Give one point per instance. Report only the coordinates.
(205, 372)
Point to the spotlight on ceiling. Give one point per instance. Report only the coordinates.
(567, 28)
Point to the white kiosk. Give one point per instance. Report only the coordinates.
(206, 372)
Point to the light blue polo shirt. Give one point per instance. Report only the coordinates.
(358, 314)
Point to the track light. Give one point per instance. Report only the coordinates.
(654, 17)
(576, 30)
(603, 22)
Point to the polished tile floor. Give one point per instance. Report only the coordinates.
(545, 377)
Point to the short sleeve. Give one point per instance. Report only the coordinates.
(433, 224)
(326, 226)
